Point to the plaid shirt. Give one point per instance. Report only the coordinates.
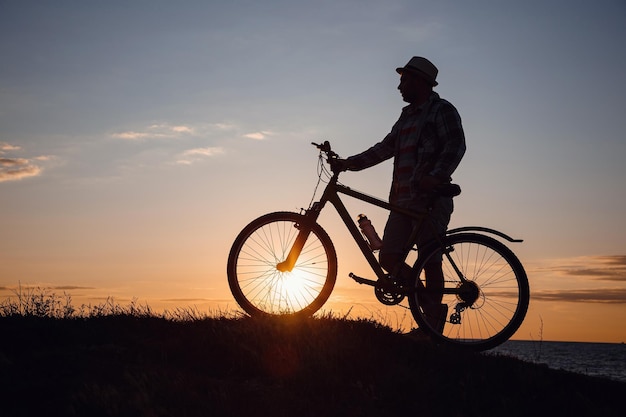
(426, 140)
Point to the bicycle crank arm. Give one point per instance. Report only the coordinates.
(362, 280)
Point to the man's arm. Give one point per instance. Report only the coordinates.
(448, 125)
(378, 153)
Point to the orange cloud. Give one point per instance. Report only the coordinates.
(600, 268)
(12, 169)
(599, 295)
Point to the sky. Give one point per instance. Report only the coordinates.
(137, 138)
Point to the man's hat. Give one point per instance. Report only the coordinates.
(422, 67)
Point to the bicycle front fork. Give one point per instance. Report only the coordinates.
(296, 249)
(288, 264)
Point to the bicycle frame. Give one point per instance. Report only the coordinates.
(331, 195)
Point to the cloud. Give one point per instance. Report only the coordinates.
(44, 158)
(167, 129)
(190, 133)
(190, 156)
(210, 151)
(9, 162)
(257, 135)
(5, 147)
(156, 131)
(608, 274)
(130, 135)
(576, 278)
(178, 131)
(13, 169)
(599, 295)
(71, 287)
(612, 260)
(224, 126)
(182, 129)
(600, 268)
(30, 287)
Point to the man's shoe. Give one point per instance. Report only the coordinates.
(436, 315)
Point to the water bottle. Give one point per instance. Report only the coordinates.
(369, 232)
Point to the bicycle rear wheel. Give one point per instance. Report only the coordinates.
(485, 309)
(260, 288)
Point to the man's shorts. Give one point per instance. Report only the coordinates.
(399, 227)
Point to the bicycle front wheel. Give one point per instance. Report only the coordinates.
(255, 280)
(485, 293)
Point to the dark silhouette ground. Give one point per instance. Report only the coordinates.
(123, 365)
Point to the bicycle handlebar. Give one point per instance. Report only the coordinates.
(331, 157)
(325, 147)
(444, 190)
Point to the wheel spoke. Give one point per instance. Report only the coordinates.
(494, 286)
(257, 284)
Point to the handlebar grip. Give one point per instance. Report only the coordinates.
(324, 147)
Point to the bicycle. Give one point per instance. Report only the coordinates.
(284, 263)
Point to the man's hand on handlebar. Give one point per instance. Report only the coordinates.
(338, 164)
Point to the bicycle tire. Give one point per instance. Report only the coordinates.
(260, 288)
(495, 303)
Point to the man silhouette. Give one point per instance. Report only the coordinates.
(427, 144)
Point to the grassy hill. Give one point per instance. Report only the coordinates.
(134, 363)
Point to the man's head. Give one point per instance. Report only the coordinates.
(421, 67)
(417, 79)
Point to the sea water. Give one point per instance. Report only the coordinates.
(606, 360)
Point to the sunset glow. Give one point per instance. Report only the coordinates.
(137, 141)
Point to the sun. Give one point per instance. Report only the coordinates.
(295, 290)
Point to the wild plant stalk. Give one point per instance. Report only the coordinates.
(43, 303)
(37, 302)
(537, 347)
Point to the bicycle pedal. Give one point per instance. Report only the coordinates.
(361, 280)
